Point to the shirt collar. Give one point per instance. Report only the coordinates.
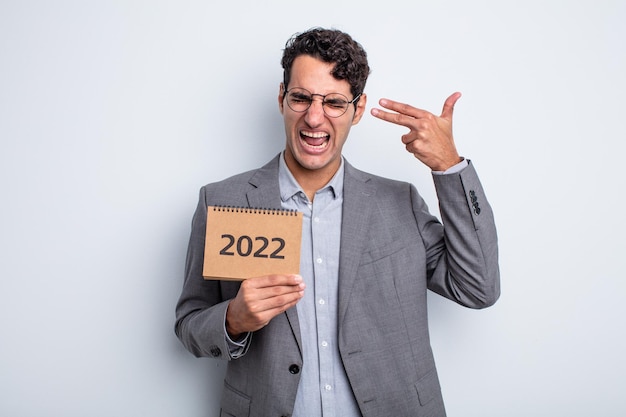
(290, 187)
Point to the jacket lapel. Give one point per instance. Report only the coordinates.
(266, 192)
(357, 208)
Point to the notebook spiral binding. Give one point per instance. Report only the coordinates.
(256, 210)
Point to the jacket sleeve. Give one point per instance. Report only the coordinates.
(201, 308)
(462, 256)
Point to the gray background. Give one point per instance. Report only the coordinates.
(114, 113)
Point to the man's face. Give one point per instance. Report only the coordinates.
(315, 140)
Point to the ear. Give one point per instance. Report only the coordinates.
(360, 109)
(281, 95)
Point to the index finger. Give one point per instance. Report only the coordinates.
(404, 114)
(275, 280)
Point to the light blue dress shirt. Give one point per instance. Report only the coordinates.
(324, 388)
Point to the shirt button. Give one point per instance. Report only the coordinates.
(321, 301)
(317, 220)
(319, 260)
(324, 344)
(327, 387)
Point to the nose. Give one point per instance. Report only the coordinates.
(315, 113)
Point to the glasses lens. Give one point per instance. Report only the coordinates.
(299, 99)
(335, 104)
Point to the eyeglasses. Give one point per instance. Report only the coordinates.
(334, 104)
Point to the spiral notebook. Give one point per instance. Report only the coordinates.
(244, 242)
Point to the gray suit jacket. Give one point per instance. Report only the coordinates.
(392, 251)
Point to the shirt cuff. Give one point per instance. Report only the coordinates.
(239, 348)
(453, 169)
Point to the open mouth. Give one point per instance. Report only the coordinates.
(315, 140)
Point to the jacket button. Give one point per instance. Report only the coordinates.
(294, 369)
(215, 351)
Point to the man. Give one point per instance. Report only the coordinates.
(349, 335)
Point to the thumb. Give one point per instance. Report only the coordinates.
(448, 106)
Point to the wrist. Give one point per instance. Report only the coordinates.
(446, 165)
(231, 327)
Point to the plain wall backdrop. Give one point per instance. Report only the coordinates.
(114, 113)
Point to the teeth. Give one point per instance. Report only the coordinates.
(315, 135)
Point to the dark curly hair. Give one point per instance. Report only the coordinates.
(332, 46)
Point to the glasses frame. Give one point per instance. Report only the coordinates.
(324, 102)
